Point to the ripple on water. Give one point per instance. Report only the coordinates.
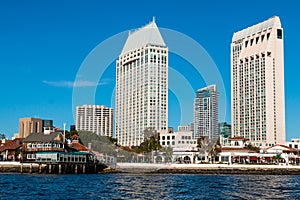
(146, 186)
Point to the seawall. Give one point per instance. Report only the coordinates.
(206, 169)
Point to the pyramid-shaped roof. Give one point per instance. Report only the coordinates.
(148, 34)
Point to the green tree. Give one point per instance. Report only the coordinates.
(150, 143)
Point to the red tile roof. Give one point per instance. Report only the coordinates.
(79, 147)
(238, 138)
(236, 149)
(289, 148)
(12, 144)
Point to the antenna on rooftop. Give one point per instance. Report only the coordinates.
(153, 19)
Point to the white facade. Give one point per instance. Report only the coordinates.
(184, 128)
(179, 141)
(257, 83)
(95, 118)
(142, 86)
(206, 113)
(294, 143)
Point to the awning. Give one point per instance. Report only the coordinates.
(253, 158)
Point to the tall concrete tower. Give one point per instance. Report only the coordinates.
(257, 83)
(206, 113)
(142, 86)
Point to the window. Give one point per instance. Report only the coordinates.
(279, 33)
(296, 146)
(173, 137)
(163, 137)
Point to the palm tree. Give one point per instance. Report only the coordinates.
(208, 147)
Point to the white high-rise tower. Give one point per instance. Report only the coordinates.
(206, 113)
(95, 118)
(257, 83)
(142, 86)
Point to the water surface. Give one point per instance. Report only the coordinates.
(148, 186)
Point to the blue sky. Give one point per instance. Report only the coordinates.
(44, 43)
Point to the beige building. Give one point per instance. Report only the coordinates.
(257, 83)
(29, 125)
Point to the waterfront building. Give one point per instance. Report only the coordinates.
(257, 83)
(95, 118)
(29, 125)
(141, 86)
(42, 142)
(179, 141)
(206, 113)
(10, 149)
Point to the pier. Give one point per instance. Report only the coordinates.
(51, 168)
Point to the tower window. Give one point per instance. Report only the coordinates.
(279, 33)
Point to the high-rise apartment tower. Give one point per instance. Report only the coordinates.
(142, 86)
(95, 118)
(257, 83)
(206, 113)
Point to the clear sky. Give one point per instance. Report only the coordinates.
(43, 45)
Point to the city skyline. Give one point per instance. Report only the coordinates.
(39, 58)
